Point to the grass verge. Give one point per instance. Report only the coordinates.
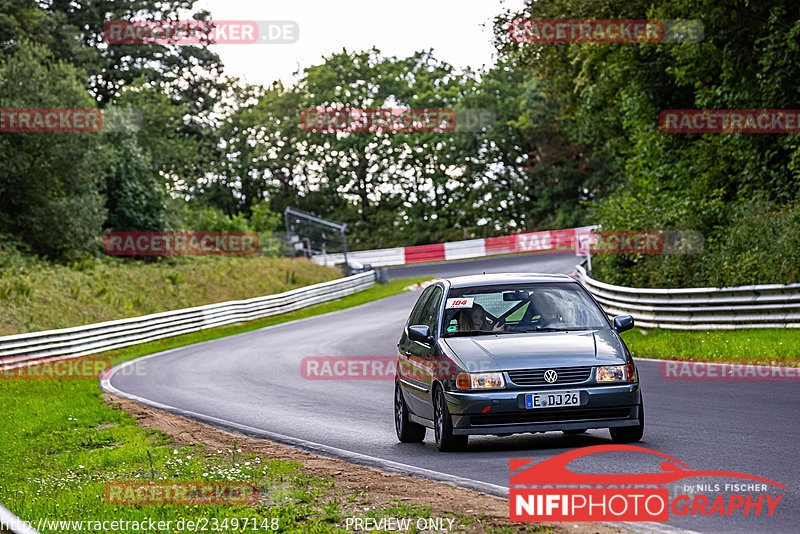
(765, 346)
(41, 296)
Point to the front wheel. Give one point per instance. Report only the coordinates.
(628, 434)
(446, 441)
(407, 432)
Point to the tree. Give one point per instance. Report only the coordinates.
(612, 94)
(49, 189)
(135, 196)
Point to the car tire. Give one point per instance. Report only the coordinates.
(629, 434)
(407, 432)
(446, 441)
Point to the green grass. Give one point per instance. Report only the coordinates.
(41, 296)
(765, 346)
(62, 444)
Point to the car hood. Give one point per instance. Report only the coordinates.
(507, 352)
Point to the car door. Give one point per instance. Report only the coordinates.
(421, 357)
(405, 363)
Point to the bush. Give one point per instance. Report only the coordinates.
(759, 245)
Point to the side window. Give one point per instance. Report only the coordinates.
(431, 312)
(417, 311)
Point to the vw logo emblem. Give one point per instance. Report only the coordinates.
(550, 376)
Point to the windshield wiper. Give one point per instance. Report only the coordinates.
(551, 329)
(477, 333)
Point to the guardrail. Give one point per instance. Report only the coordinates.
(701, 308)
(12, 523)
(23, 349)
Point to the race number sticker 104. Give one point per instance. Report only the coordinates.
(460, 302)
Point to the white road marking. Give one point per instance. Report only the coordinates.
(342, 454)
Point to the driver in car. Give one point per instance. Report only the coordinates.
(475, 319)
(548, 309)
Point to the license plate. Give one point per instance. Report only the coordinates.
(553, 399)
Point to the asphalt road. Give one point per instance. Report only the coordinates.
(252, 383)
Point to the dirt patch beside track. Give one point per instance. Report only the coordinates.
(373, 488)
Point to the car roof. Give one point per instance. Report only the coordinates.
(506, 278)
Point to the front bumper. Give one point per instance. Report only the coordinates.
(504, 412)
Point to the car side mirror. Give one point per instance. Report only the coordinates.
(623, 323)
(419, 332)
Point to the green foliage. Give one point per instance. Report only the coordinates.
(60, 190)
(725, 186)
(177, 152)
(541, 173)
(73, 31)
(411, 187)
(203, 218)
(49, 192)
(135, 196)
(760, 245)
(575, 139)
(263, 219)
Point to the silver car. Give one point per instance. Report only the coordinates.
(508, 353)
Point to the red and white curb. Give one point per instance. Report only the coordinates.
(545, 241)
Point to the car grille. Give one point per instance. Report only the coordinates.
(549, 416)
(535, 377)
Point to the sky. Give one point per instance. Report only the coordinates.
(459, 31)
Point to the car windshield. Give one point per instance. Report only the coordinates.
(536, 307)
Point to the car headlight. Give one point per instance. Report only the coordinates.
(480, 380)
(615, 373)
